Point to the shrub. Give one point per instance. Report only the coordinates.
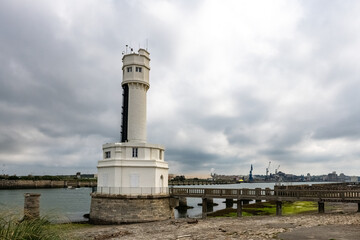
(11, 229)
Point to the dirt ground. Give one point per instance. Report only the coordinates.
(342, 222)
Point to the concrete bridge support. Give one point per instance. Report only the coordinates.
(182, 202)
(229, 203)
(239, 208)
(258, 194)
(278, 208)
(204, 208)
(210, 202)
(321, 207)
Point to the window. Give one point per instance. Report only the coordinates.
(138, 69)
(108, 154)
(135, 152)
(160, 154)
(129, 69)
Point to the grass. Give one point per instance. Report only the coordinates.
(11, 228)
(27, 230)
(268, 208)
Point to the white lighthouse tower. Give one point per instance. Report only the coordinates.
(132, 169)
(133, 166)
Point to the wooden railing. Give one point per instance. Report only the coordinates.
(270, 194)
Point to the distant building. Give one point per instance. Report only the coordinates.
(332, 177)
(354, 179)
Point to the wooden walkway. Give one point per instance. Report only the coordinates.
(270, 194)
(278, 195)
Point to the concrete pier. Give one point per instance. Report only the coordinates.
(182, 202)
(229, 202)
(32, 205)
(321, 207)
(278, 208)
(204, 207)
(239, 208)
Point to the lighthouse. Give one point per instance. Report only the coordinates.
(132, 174)
(135, 84)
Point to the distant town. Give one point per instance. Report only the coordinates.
(278, 176)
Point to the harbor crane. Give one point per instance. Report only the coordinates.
(250, 174)
(267, 170)
(276, 170)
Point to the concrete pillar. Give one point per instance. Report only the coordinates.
(182, 202)
(358, 207)
(32, 205)
(210, 205)
(239, 208)
(182, 208)
(229, 203)
(278, 208)
(321, 207)
(204, 208)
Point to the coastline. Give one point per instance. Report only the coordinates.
(342, 220)
(36, 184)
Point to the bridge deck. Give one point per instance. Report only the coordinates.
(270, 194)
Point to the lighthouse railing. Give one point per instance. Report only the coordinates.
(133, 190)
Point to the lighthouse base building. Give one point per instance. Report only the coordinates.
(132, 185)
(132, 176)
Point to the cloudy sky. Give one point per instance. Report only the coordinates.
(233, 83)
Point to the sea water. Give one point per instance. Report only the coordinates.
(63, 204)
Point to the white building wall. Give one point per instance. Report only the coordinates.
(137, 113)
(124, 174)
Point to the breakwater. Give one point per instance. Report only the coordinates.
(28, 184)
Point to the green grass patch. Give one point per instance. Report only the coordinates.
(299, 207)
(268, 208)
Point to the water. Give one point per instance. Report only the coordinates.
(59, 204)
(62, 204)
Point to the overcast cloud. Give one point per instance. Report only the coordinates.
(233, 83)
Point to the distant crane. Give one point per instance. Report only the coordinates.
(250, 174)
(213, 174)
(276, 170)
(267, 171)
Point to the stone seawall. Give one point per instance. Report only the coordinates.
(27, 184)
(116, 209)
(326, 186)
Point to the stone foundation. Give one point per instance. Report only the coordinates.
(117, 209)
